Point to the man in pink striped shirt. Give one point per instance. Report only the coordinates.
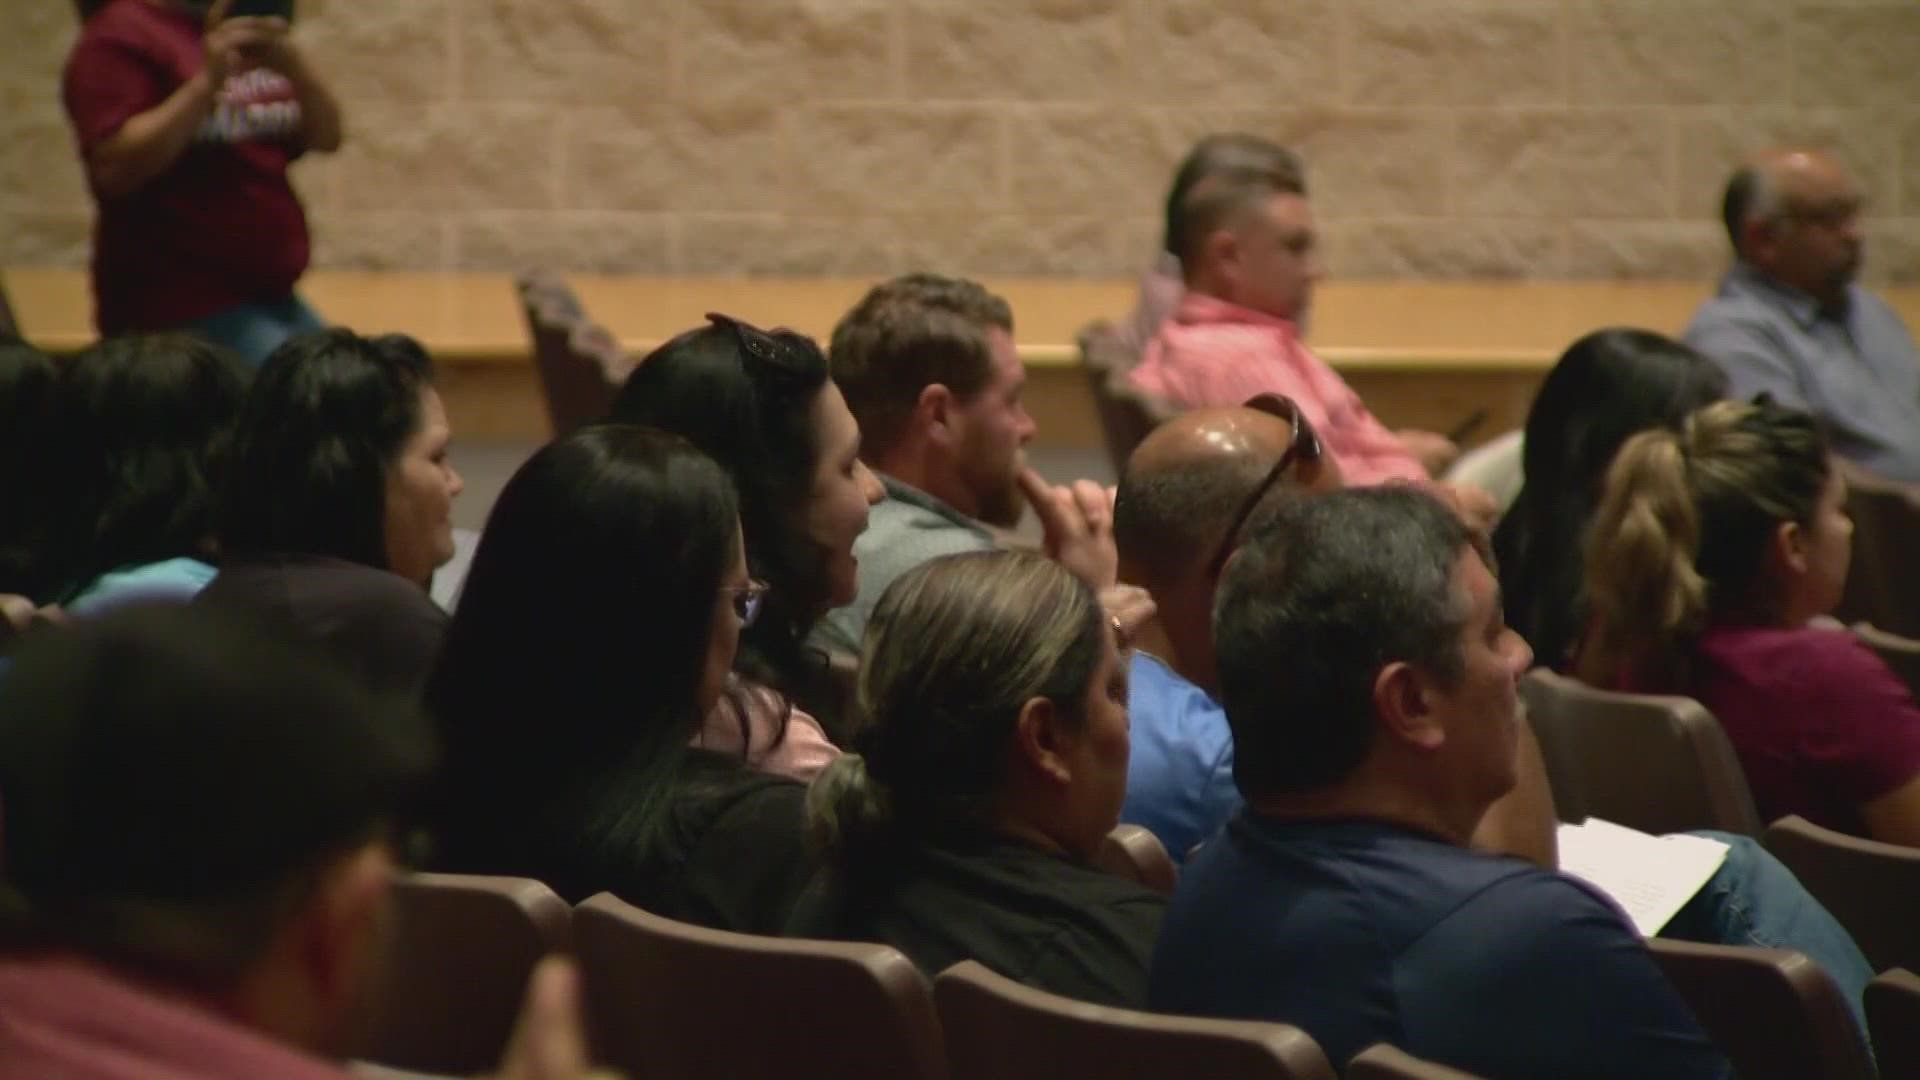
(1250, 263)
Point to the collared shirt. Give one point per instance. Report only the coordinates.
(67, 1017)
(1213, 353)
(1855, 368)
(1180, 769)
(905, 529)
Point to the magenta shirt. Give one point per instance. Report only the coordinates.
(1820, 723)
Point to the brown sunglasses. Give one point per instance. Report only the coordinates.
(1303, 446)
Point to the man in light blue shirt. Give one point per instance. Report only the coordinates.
(1177, 506)
(1789, 320)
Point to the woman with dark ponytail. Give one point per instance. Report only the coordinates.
(992, 765)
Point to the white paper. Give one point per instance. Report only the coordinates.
(1650, 877)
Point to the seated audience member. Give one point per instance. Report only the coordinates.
(598, 627)
(1161, 287)
(992, 766)
(1188, 492)
(761, 404)
(338, 502)
(1187, 495)
(1250, 262)
(1789, 320)
(142, 430)
(27, 547)
(1724, 540)
(232, 935)
(1607, 386)
(1370, 684)
(929, 370)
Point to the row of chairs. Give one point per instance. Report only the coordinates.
(667, 998)
(1663, 764)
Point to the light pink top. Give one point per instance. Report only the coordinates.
(1212, 353)
(66, 1018)
(802, 754)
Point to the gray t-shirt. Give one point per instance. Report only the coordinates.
(1855, 368)
(905, 529)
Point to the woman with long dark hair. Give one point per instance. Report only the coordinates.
(597, 628)
(761, 404)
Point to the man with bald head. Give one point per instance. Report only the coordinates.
(1189, 489)
(1789, 320)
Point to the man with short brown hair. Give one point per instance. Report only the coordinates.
(929, 369)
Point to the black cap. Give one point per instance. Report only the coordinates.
(176, 754)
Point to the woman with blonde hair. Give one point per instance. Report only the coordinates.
(1714, 548)
(993, 764)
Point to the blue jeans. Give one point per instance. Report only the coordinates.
(254, 330)
(1754, 900)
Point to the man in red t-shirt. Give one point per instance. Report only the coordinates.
(186, 120)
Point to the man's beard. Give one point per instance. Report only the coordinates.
(1004, 504)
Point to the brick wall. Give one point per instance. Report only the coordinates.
(1451, 138)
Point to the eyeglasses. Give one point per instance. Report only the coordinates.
(1303, 445)
(747, 600)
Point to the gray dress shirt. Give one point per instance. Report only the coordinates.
(905, 529)
(1855, 368)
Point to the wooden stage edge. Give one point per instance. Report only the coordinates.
(1421, 354)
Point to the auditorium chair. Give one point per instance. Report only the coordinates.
(1882, 587)
(460, 952)
(1126, 414)
(1773, 1012)
(1651, 762)
(1134, 853)
(579, 364)
(998, 1029)
(1383, 1062)
(1893, 1017)
(1871, 887)
(666, 998)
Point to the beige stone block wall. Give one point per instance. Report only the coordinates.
(1444, 138)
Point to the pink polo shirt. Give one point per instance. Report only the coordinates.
(1212, 353)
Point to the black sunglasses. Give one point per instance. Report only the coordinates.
(1303, 445)
(765, 348)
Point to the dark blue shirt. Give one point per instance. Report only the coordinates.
(1360, 932)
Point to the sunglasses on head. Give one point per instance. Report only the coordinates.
(1303, 446)
(762, 347)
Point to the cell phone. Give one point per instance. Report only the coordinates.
(1468, 426)
(282, 9)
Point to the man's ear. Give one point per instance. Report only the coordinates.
(1221, 250)
(1040, 740)
(933, 413)
(341, 930)
(1757, 236)
(1402, 699)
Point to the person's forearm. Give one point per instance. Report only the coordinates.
(150, 142)
(321, 126)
